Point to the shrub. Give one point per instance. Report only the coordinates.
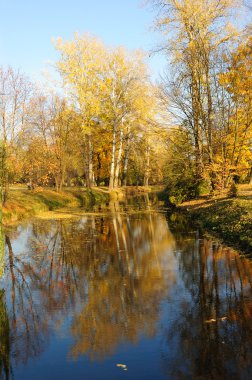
(233, 191)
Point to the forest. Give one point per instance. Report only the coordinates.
(109, 124)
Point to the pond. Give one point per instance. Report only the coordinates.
(119, 295)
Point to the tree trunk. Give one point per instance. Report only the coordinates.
(210, 129)
(147, 167)
(198, 155)
(4, 178)
(88, 161)
(57, 184)
(125, 168)
(195, 95)
(112, 167)
(118, 161)
(126, 158)
(62, 178)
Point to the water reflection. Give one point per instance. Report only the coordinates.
(105, 281)
(106, 272)
(1, 251)
(212, 337)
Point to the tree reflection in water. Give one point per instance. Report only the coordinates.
(107, 272)
(4, 320)
(126, 282)
(212, 336)
(117, 278)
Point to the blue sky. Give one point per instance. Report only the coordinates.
(28, 27)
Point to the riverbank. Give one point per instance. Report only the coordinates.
(230, 219)
(24, 203)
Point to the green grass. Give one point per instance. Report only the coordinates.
(25, 203)
(228, 218)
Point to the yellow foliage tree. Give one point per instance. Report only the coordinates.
(237, 81)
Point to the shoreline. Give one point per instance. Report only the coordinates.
(229, 219)
(23, 203)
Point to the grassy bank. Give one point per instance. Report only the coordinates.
(25, 203)
(228, 218)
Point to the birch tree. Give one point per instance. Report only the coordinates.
(82, 64)
(128, 105)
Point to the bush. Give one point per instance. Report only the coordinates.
(182, 189)
(233, 191)
(204, 187)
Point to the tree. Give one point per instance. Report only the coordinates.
(128, 103)
(15, 91)
(82, 64)
(237, 82)
(64, 131)
(112, 94)
(196, 30)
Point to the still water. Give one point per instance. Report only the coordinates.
(80, 296)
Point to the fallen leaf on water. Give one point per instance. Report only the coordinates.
(210, 320)
(122, 366)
